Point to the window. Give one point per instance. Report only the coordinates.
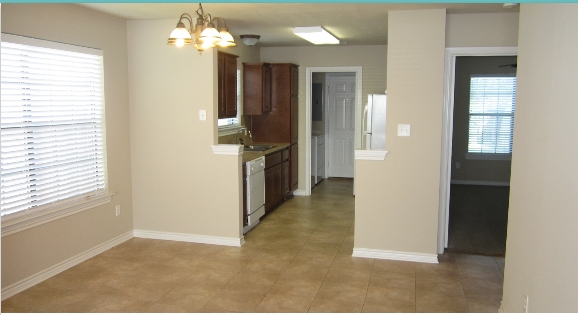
(52, 144)
(231, 125)
(491, 117)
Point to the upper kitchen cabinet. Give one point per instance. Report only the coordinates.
(227, 77)
(281, 124)
(256, 88)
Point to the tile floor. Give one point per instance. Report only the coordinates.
(297, 260)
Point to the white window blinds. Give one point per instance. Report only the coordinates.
(51, 125)
(491, 123)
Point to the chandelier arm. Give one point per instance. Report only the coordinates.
(189, 18)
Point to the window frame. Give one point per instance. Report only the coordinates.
(231, 129)
(491, 155)
(25, 219)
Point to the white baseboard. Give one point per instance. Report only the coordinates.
(299, 193)
(192, 238)
(35, 279)
(392, 255)
(478, 182)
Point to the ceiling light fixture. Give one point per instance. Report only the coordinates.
(315, 34)
(204, 35)
(250, 39)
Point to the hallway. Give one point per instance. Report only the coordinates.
(297, 260)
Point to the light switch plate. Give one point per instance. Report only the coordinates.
(202, 114)
(403, 130)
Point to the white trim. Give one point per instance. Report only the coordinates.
(358, 93)
(31, 41)
(191, 238)
(45, 274)
(373, 155)
(227, 149)
(21, 221)
(393, 255)
(447, 128)
(300, 193)
(479, 182)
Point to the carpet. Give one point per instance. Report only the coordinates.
(478, 219)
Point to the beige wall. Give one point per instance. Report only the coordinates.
(179, 185)
(398, 209)
(482, 30)
(373, 59)
(541, 250)
(33, 250)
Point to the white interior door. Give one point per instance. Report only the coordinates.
(340, 120)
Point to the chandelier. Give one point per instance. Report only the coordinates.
(204, 35)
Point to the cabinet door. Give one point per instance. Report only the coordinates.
(294, 124)
(230, 81)
(266, 88)
(272, 187)
(285, 178)
(221, 86)
(294, 80)
(294, 168)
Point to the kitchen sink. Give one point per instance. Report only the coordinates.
(258, 147)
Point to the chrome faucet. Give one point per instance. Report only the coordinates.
(240, 140)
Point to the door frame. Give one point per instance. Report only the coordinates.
(308, 80)
(447, 129)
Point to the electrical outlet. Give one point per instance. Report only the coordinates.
(525, 303)
(202, 114)
(117, 210)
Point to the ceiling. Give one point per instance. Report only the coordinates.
(353, 24)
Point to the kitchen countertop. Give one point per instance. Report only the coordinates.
(251, 155)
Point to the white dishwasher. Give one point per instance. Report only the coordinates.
(255, 172)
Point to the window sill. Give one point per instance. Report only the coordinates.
(229, 130)
(489, 156)
(17, 222)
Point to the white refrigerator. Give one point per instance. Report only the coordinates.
(373, 128)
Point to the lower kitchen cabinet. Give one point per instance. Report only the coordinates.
(277, 179)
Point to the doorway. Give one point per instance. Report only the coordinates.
(355, 74)
(447, 130)
(484, 104)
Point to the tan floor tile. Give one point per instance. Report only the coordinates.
(187, 260)
(389, 300)
(314, 261)
(330, 305)
(109, 280)
(397, 280)
(233, 301)
(220, 263)
(191, 296)
(34, 298)
(348, 262)
(252, 282)
(352, 277)
(120, 305)
(265, 267)
(285, 255)
(154, 256)
(210, 278)
(284, 303)
(343, 292)
(441, 304)
(312, 249)
(171, 308)
(146, 290)
(292, 286)
(70, 279)
(73, 302)
(484, 304)
(394, 266)
(168, 274)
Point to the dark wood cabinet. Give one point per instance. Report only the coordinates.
(282, 124)
(294, 179)
(227, 85)
(277, 178)
(256, 88)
